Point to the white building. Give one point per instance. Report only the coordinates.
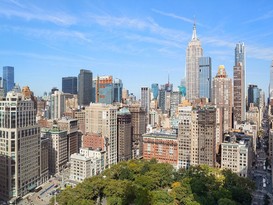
(250, 129)
(98, 156)
(58, 104)
(236, 155)
(81, 167)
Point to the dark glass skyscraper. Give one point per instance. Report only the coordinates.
(118, 86)
(8, 78)
(69, 85)
(85, 79)
(205, 77)
(253, 95)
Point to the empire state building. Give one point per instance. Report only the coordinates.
(193, 53)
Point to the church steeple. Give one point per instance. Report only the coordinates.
(194, 35)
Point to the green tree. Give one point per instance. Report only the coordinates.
(142, 196)
(225, 201)
(160, 197)
(147, 182)
(120, 191)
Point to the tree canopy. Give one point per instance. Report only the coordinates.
(142, 182)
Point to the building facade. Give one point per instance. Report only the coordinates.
(139, 128)
(58, 149)
(70, 85)
(20, 149)
(193, 53)
(93, 141)
(253, 95)
(239, 101)
(222, 99)
(85, 79)
(81, 167)
(145, 98)
(184, 136)
(239, 81)
(118, 87)
(162, 146)
(102, 119)
(124, 134)
(236, 156)
(205, 77)
(58, 104)
(197, 136)
(8, 78)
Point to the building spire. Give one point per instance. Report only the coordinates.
(221, 72)
(194, 35)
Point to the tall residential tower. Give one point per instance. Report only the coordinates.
(239, 83)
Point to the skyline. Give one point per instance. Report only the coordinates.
(124, 38)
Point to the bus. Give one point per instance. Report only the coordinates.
(38, 189)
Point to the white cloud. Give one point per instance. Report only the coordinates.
(147, 25)
(266, 16)
(174, 16)
(30, 12)
(185, 19)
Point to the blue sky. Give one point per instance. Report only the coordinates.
(140, 42)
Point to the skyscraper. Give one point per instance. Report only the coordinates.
(239, 104)
(19, 147)
(118, 86)
(155, 91)
(104, 89)
(193, 53)
(102, 118)
(205, 77)
(253, 95)
(239, 78)
(124, 134)
(240, 55)
(162, 99)
(222, 99)
(145, 98)
(69, 85)
(222, 96)
(85, 87)
(139, 123)
(8, 78)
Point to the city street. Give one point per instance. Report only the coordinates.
(262, 174)
(49, 190)
(43, 196)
